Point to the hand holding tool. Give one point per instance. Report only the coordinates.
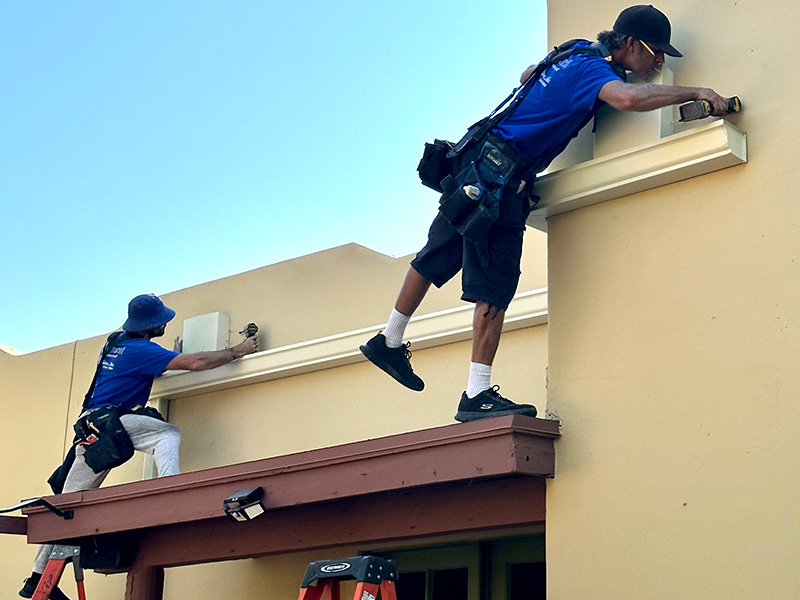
(700, 109)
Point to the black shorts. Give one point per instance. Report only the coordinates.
(491, 269)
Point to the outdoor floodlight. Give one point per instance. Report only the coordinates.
(244, 505)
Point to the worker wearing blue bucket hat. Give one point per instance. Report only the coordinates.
(128, 364)
(147, 312)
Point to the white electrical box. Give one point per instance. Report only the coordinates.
(207, 332)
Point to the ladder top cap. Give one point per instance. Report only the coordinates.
(370, 569)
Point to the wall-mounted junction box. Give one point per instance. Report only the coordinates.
(207, 332)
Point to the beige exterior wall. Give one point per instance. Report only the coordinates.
(674, 344)
(342, 289)
(275, 577)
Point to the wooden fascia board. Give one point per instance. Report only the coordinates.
(491, 448)
(420, 513)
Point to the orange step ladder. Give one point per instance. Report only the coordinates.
(59, 558)
(373, 575)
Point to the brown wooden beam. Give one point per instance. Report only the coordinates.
(14, 525)
(490, 448)
(145, 583)
(419, 513)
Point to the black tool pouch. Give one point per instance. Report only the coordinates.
(104, 439)
(476, 225)
(461, 195)
(473, 214)
(435, 165)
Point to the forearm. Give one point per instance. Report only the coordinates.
(640, 97)
(202, 361)
(650, 96)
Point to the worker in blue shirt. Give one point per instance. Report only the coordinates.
(564, 98)
(128, 365)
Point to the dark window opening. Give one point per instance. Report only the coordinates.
(449, 584)
(412, 586)
(437, 584)
(527, 581)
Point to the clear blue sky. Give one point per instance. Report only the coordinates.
(150, 146)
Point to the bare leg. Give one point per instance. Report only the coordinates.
(411, 294)
(487, 325)
(387, 352)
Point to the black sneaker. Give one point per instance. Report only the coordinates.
(395, 361)
(30, 587)
(490, 404)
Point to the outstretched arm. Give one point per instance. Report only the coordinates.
(642, 97)
(202, 361)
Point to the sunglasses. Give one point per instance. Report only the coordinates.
(650, 50)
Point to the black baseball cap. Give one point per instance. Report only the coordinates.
(648, 24)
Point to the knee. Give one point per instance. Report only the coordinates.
(174, 434)
(488, 311)
(168, 434)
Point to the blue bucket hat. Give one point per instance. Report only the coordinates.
(147, 312)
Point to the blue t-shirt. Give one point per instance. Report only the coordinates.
(127, 373)
(564, 98)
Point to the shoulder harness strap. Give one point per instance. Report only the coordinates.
(558, 54)
(113, 341)
(478, 130)
(566, 50)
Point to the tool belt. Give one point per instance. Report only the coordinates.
(105, 442)
(102, 451)
(471, 199)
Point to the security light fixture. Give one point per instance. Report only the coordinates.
(244, 505)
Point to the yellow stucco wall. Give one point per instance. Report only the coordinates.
(338, 290)
(277, 577)
(674, 344)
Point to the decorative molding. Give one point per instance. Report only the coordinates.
(426, 331)
(698, 151)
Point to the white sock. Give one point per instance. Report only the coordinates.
(395, 329)
(480, 379)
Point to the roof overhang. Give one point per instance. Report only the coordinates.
(424, 483)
